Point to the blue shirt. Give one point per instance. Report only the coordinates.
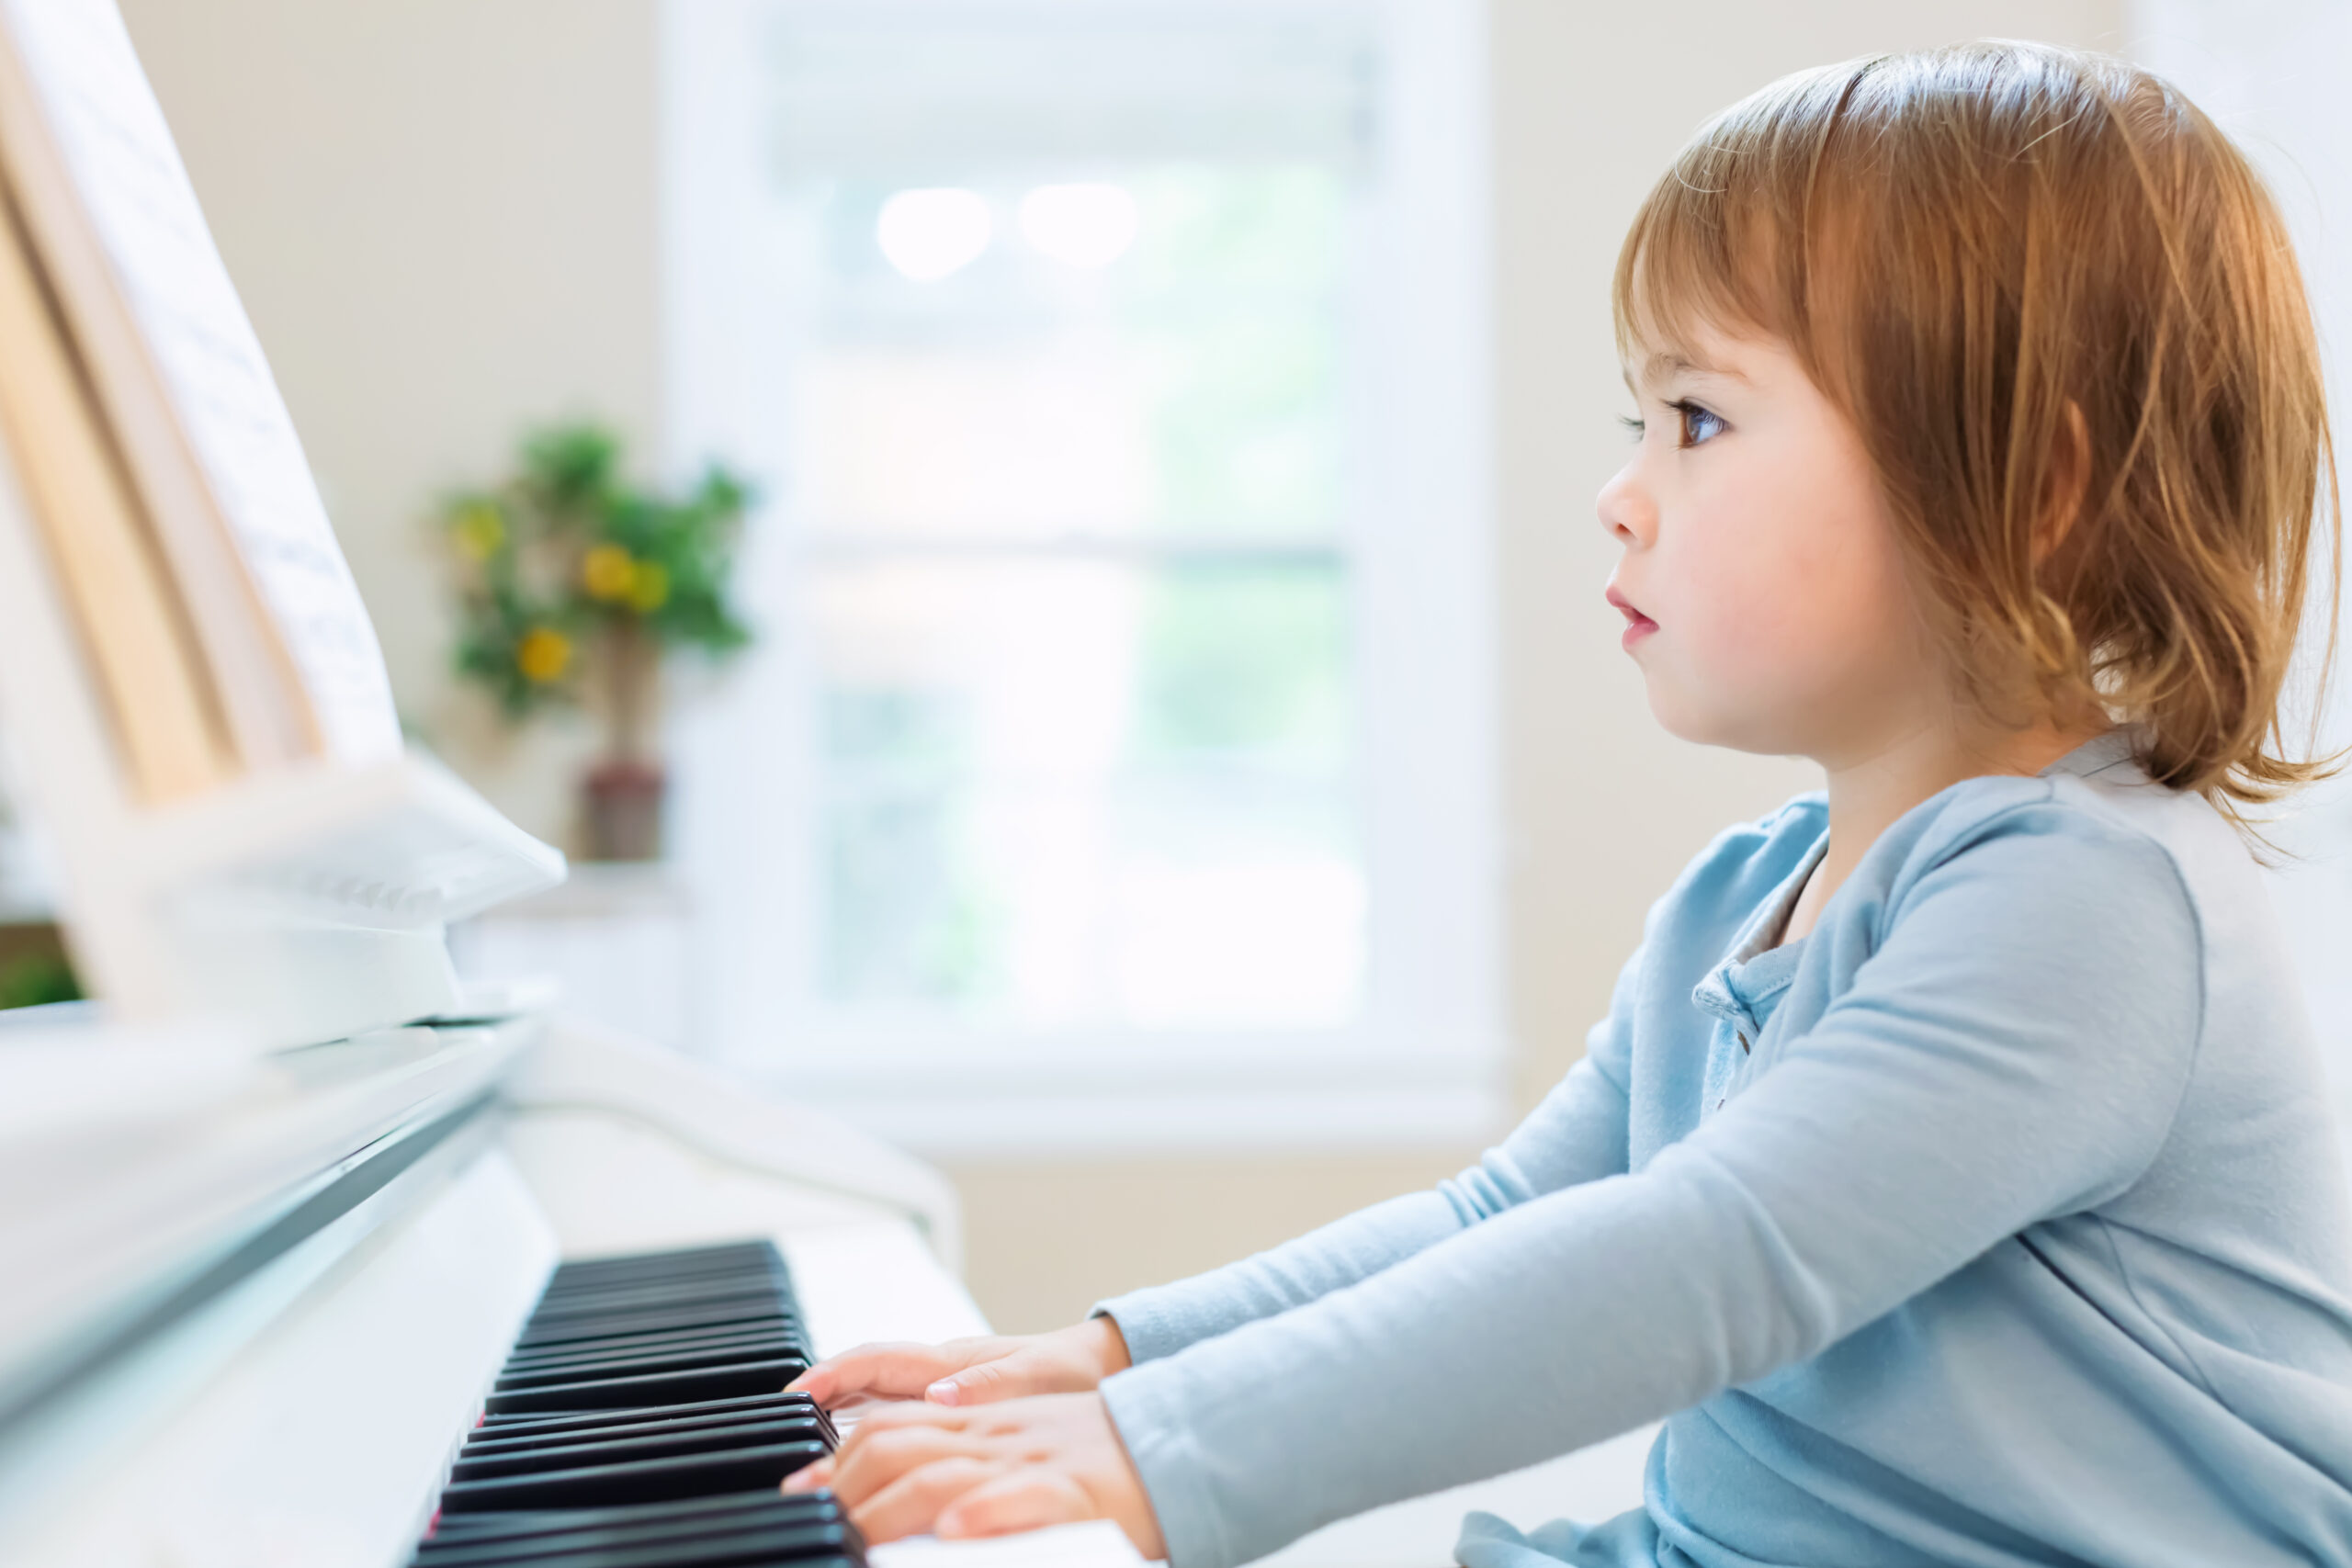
(1998, 1222)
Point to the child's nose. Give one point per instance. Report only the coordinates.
(1626, 510)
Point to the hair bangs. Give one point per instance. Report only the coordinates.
(1726, 241)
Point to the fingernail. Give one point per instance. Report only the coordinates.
(944, 1392)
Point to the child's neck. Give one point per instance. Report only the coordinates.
(1868, 790)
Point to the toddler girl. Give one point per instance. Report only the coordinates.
(1951, 1174)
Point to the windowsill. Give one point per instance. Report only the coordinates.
(1363, 1107)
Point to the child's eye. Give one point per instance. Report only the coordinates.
(1698, 424)
(1635, 425)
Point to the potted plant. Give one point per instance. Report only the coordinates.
(574, 584)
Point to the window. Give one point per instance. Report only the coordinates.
(1118, 748)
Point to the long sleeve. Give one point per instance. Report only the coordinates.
(2014, 1048)
(1576, 1135)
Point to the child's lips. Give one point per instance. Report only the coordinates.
(1637, 626)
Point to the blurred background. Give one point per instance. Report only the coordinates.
(1149, 737)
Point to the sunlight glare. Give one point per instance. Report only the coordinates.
(1081, 225)
(928, 234)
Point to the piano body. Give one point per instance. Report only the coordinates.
(282, 1212)
(254, 1306)
(311, 1411)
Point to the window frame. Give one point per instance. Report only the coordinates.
(1425, 1061)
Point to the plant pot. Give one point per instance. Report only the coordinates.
(622, 803)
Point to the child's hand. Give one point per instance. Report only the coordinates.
(971, 1371)
(1013, 1466)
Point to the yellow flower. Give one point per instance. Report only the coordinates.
(651, 589)
(478, 529)
(543, 655)
(607, 572)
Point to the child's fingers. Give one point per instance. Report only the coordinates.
(1029, 1498)
(811, 1477)
(872, 1462)
(1015, 1376)
(894, 1371)
(909, 1505)
(1002, 1378)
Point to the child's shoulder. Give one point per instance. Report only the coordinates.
(2096, 812)
(2160, 866)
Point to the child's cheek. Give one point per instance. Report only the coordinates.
(1739, 613)
(1724, 664)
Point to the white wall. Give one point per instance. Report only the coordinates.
(440, 214)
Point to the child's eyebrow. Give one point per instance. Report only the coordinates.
(1659, 366)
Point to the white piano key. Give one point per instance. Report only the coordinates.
(875, 1281)
(1097, 1543)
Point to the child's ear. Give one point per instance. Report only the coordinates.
(2068, 480)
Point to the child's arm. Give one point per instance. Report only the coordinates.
(2014, 1051)
(1576, 1135)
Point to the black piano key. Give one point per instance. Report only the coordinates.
(512, 1427)
(562, 1285)
(560, 1331)
(489, 1440)
(634, 1481)
(566, 1279)
(620, 1363)
(595, 1352)
(662, 1265)
(786, 1546)
(545, 1459)
(747, 1538)
(658, 1339)
(655, 1388)
(687, 1511)
(768, 1271)
(730, 1553)
(569, 1277)
(805, 1546)
(504, 1426)
(767, 1299)
(486, 1443)
(666, 1326)
(654, 1296)
(672, 1261)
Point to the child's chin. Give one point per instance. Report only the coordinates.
(1685, 717)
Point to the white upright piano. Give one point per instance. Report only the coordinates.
(307, 1257)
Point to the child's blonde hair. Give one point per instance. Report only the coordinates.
(1964, 246)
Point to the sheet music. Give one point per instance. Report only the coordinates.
(111, 134)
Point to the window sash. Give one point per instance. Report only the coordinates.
(1416, 554)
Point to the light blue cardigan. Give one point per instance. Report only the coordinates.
(1999, 1221)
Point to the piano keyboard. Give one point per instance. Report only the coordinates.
(639, 1423)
